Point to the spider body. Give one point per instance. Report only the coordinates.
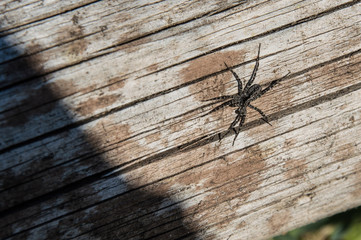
(243, 98)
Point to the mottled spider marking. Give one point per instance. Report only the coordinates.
(243, 98)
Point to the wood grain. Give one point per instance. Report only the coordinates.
(101, 128)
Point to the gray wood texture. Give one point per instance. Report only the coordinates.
(101, 127)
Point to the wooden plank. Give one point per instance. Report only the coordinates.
(111, 156)
(88, 31)
(32, 11)
(263, 180)
(120, 91)
(142, 120)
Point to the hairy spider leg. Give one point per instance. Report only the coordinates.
(236, 77)
(232, 125)
(256, 92)
(218, 98)
(253, 76)
(218, 107)
(264, 117)
(241, 113)
(235, 120)
(273, 83)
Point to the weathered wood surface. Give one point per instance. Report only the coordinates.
(101, 134)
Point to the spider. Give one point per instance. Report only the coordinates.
(243, 98)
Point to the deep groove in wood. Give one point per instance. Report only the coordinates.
(42, 19)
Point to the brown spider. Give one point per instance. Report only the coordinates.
(243, 98)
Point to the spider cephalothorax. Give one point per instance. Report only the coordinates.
(243, 98)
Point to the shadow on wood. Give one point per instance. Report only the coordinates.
(49, 171)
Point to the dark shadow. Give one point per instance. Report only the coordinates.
(50, 191)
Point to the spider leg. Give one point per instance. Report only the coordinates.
(232, 125)
(242, 113)
(273, 83)
(218, 107)
(236, 77)
(235, 121)
(264, 117)
(217, 98)
(253, 76)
